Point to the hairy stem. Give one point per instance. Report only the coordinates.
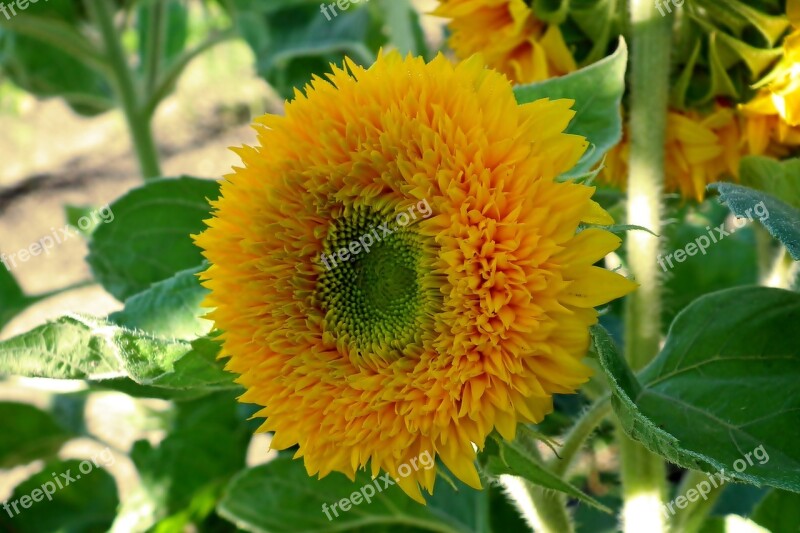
(643, 473)
(580, 431)
(125, 87)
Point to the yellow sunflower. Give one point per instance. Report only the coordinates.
(509, 36)
(773, 115)
(465, 310)
(699, 149)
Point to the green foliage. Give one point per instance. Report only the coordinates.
(296, 503)
(701, 402)
(783, 222)
(150, 239)
(76, 347)
(30, 434)
(86, 504)
(512, 458)
(597, 91)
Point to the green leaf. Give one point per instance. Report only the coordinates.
(708, 399)
(403, 27)
(46, 70)
(597, 91)
(503, 457)
(86, 504)
(75, 347)
(295, 40)
(778, 178)
(85, 219)
(29, 434)
(205, 446)
(297, 502)
(781, 220)
(706, 272)
(169, 308)
(779, 511)
(14, 301)
(150, 238)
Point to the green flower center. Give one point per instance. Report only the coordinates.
(373, 285)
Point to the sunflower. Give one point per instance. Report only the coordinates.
(509, 36)
(699, 149)
(443, 326)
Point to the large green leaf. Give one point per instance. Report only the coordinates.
(294, 40)
(75, 347)
(709, 269)
(722, 394)
(87, 503)
(184, 475)
(511, 458)
(29, 434)
(297, 502)
(149, 239)
(781, 220)
(597, 91)
(779, 511)
(170, 308)
(778, 178)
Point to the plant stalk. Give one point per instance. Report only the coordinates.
(690, 519)
(643, 473)
(544, 510)
(580, 431)
(122, 79)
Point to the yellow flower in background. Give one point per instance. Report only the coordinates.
(773, 115)
(464, 319)
(510, 38)
(699, 149)
(765, 131)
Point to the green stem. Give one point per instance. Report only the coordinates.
(643, 473)
(122, 78)
(580, 431)
(783, 273)
(154, 47)
(691, 518)
(544, 510)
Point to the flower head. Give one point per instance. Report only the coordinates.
(461, 321)
(699, 149)
(773, 115)
(509, 37)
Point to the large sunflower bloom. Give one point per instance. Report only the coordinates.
(510, 38)
(699, 149)
(456, 323)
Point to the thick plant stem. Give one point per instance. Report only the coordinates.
(700, 502)
(643, 473)
(122, 78)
